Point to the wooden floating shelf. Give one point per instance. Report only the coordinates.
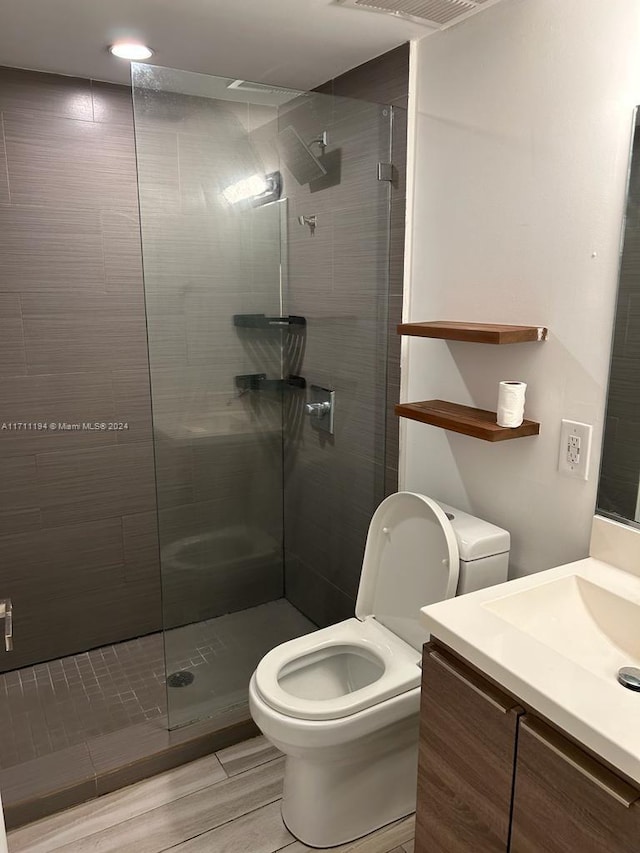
(477, 423)
(478, 333)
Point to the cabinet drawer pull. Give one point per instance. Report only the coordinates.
(590, 768)
(501, 701)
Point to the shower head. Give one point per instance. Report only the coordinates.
(298, 157)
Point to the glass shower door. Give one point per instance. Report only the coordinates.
(265, 246)
(212, 267)
(339, 281)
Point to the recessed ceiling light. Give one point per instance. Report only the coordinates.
(130, 50)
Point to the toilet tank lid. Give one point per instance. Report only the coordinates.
(476, 538)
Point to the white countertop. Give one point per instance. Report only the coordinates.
(587, 703)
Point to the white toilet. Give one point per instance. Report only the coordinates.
(343, 702)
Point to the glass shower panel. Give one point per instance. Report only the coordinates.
(210, 259)
(339, 280)
(265, 246)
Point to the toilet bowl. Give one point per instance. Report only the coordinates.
(342, 703)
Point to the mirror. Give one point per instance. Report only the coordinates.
(618, 489)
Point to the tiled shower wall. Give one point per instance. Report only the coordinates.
(78, 550)
(347, 281)
(620, 471)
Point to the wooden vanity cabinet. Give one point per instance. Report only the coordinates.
(493, 778)
(467, 753)
(565, 801)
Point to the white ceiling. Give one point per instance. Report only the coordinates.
(297, 43)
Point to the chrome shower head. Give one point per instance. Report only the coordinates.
(298, 157)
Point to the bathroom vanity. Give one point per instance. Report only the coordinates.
(494, 776)
(528, 743)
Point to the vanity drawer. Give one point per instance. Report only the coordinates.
(467, 751)
(566, 801)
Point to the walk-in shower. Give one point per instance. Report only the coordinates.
(264, 228)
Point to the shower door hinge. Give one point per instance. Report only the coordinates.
(385, 171)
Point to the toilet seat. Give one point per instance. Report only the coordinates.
(411, 559)
(398, 662)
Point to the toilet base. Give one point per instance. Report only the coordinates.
(345, 792)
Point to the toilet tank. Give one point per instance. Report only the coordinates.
(484, 550)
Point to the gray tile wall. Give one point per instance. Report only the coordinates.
(78, 546)
(347, 281)
(620, 467)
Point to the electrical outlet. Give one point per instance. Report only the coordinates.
(575, 449)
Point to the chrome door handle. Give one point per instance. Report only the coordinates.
(6, 613)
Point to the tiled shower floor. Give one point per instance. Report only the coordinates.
(55, 705)
(52, 706)
(222, 653)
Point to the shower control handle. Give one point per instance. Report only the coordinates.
(317, 410)
(6, 613)
(320, 408)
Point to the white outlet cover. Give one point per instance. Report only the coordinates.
(579, 469)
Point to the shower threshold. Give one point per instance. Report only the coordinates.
(89, 724)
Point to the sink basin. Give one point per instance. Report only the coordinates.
(556, 640)
(585, 622)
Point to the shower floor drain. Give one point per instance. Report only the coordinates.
(180, 679)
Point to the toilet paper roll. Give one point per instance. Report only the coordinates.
(511, 403)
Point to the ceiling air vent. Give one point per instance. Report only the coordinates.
(434, 13)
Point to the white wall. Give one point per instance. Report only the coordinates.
(522, 122)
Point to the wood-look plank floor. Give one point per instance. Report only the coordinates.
(228, 802)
